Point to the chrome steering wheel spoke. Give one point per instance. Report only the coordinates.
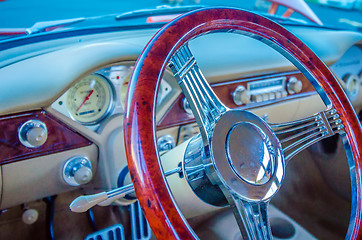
(297, 135)
(252, 218)
(205, 105)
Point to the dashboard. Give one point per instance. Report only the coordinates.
(73, 91)
(103, 93)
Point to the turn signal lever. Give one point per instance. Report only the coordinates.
(83, 203)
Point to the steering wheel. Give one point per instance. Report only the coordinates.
(245, 155)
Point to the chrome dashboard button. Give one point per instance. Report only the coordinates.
(265, 96)
(186, 107)
(284, 93)
(33, 133)
(241, 96)
(271, 96)
(294, 85)
(77, 171)
(257, 98)
(165, 143)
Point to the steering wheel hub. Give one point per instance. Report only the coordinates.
(250, 153)
(247, 155)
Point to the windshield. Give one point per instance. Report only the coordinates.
(17, 15)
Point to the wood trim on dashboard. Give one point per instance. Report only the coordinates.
(176, 115)
(60, 137)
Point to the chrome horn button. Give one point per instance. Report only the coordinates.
(250, 153)
(247, 156)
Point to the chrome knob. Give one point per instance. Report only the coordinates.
(33, 133)
(83, 175)
(77, 171)
(294, 85)
(186, 107)
(165, 143)
(30, 216)
(241, 96)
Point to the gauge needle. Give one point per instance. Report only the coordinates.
(86, 99)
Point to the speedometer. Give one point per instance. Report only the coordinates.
(90, 100)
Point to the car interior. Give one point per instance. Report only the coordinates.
(136, 130)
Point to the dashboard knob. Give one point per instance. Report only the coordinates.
(30, 216)
(33, 133)
(241, 96)
(83, 175)
(165, 143)
(186, 107)
(294, 85)
(77, 171)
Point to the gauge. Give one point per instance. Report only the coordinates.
(125, 75)
(90, 100)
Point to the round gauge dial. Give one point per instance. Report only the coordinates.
(125, 76)
(90, 100)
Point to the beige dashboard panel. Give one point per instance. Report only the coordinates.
(36, 178)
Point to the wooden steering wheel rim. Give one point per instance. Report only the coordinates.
(165, 219)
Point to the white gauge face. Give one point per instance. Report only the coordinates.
(125, 73)
(90, 100)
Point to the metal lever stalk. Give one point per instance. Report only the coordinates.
(85, 202)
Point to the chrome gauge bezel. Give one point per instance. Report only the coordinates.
(110, 106)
